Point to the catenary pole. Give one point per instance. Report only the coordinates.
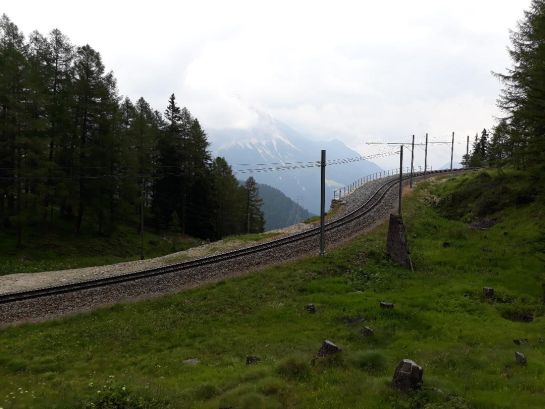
(322, 204)
(142, 221)
(451, 150)
(467, 151)
(412, 163)
(426, 156)
(400, 178)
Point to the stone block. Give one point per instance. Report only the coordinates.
(408, 376)
(328, 348)
(521, 358)
(311, 308)
(251, 360)
(488, 293)
(396, 244)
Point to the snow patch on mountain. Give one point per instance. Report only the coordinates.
(271, 143)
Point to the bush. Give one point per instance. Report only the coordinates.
(119, 397)
(427, 398)
(207, 391)
(471, 198)
(250, 400)
(329, 361)
(294, 368)
(272, 386)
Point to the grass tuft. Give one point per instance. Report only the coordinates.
(372, 362)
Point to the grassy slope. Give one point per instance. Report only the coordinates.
(465, 345)
(46, 249)
(253, 237)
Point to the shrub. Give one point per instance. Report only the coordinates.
(207, 391)
(250, 400)
(119, 397)
(294, 368)
(272, 386)
(329, 361)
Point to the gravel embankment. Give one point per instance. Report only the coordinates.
(27, 281)
(85, 300)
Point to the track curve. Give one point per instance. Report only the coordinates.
(85, 295)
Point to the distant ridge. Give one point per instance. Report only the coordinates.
(280, 211)
(271, 141)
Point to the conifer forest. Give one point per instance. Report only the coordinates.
(74, 151)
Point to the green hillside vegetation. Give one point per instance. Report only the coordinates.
(74, 152)
(279, 210)
(132, 355)
(48, 249)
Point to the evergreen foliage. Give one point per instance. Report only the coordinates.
(73, 150)
(479, 153)
(229, 206)
(519, 138)
(279, 210)
(255, 221)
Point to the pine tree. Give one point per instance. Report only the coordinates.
(479, 153)
(500, 148)
(15, 122)
(255, 220)
(168, 189)
(96, 103)
(199, 184)
(483, 146)
(146, 127)
(71, 150)
(59, 81)
(523, 95)
(228, 201)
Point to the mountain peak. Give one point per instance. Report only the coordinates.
(270, 141)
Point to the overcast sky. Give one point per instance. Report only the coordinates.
(352, 70)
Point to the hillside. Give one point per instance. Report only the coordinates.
(58, 247)
(189, 350)
(280, 211)
(273, 142)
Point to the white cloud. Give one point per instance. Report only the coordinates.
(352, 70)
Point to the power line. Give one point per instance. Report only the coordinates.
(333, 162)
(124, 173)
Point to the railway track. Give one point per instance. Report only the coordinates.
(334, 227)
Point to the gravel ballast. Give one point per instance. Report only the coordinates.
(52, 306)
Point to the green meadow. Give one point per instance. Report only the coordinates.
(465, 233)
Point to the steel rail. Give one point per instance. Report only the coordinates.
(369, 205)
